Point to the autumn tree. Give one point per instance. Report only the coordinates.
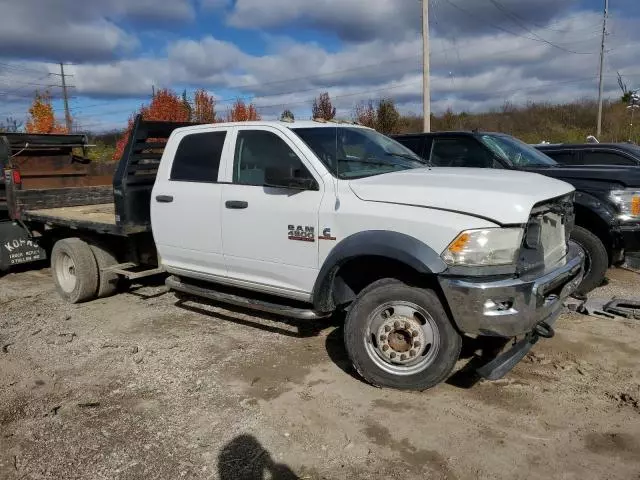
(241, 112)
(365, 114)
(323, 108)
(204, 107)
(42, 117)
(287, 115)
(165, 106)
(387, 117)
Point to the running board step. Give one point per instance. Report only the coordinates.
(123, 269)
(175, 283)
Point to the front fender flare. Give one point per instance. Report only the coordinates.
(380, 243)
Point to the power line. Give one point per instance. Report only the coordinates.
(519, 21)
(540, 39)
(10, 92)
(20, 68)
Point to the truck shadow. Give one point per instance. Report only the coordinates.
(260, 320)
(477, 351)
(244, 458)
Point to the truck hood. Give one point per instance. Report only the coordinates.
(618, 175)
(503, 196)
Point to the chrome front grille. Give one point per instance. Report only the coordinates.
(546, 238)
(552, 238)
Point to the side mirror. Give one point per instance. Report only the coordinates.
(281, 178)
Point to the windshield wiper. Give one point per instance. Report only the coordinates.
(369, 162)
(408, 157)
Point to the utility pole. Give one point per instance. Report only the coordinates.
(426, 89)
(65, 96)
(601, 86)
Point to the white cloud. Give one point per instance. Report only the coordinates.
(474, 70)
(364, 20)
(87, 30)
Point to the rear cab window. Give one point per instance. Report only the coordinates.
(197, 157)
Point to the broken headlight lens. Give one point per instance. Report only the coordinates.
(486, 247)
(628, 201)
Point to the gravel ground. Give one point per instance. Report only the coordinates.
(143, 386)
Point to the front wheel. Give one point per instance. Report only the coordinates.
(400, 336)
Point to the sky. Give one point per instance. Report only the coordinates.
(280, 54)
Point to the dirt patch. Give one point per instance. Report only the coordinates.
(144, 386)
(614, 444)
(418, 460)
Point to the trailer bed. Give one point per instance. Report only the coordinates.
(102, 213)
(99, 217)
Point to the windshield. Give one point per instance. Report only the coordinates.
(350, 152)
(517, 153)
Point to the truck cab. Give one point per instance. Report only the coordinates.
(320, 216)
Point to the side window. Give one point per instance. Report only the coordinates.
(259, 150)
(412, 143)
(198, 157)
(563, 158)
(595, 157)
(459, 152)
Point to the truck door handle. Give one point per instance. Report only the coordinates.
(236, 204)
(164, 198)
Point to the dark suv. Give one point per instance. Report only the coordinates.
(593, 153)
(607, 202)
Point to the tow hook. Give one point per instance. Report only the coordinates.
(544, 330)
(504, 363)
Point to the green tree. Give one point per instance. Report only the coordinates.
(387, 117)
(287, 115)
(187, 104)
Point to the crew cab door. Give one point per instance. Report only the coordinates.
(270, 233)
(186, 203)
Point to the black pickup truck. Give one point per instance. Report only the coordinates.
(607, 200)
(626, 154)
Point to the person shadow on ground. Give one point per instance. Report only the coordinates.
(244, 458)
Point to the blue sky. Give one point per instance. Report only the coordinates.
(282, 53)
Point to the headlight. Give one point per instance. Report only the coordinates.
(492, 246)
(629, 203)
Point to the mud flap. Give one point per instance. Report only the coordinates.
(16, 247)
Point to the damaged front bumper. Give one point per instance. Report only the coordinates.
(514, 306)
(526, 307)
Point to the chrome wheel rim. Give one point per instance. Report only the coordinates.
(66, 272)
(402, 338)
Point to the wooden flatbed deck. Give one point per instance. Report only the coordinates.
(103, 213)
(100, 218)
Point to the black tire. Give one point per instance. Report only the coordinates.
(74, 269)
(361, 348)
(107, 281)
(596, 261)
